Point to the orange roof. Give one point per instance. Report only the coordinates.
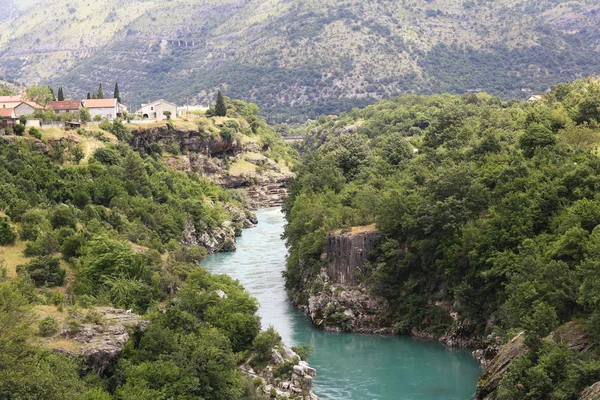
(6, 112)
(100, 103)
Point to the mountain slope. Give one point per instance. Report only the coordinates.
(299, 57)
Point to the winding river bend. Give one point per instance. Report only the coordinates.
(349, 366)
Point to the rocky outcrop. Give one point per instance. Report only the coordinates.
(285, 376)
(98, 342)
(591, 393)
(491, 377)
(573, 334)
(338, 308)
(340, 298)
(269, 192)
(188, 140)
(346, 254)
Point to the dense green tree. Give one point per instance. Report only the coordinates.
(61, 94)
(117, 93)
(220, 106)
(100, 94)
(7, 232)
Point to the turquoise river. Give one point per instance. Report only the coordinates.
(349, 366)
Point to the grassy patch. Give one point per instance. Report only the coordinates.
(13, 256)
(242, 167)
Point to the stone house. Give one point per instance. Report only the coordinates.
(21, 107)
(156, 109)
(105, 108)
(65, 106)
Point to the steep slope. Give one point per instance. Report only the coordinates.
(299, 57)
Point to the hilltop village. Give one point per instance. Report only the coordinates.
(38, 107)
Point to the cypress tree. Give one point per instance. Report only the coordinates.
(61, 94)
(89, 95)
(220, 107)
(52, 91)
(117, 94)
(100, 92)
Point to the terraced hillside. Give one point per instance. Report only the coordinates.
(298, 58)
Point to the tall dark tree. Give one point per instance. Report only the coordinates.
(117, 94)
(220, 107)
(52, 91)
(100, 93)
(89, 95)
(61, 94)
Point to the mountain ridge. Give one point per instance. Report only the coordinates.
(297, 59)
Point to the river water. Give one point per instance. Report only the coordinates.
(349, 366)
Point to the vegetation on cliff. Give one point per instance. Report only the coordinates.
(488, 212)
(109, 229)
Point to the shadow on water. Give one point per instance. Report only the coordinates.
(349, 366)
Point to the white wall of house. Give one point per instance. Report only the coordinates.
(156, 110)
(109, 113)
(23, 109)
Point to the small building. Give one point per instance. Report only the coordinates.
(105, 108)
(7, 118)
(157, 109)
(21, 107)
(65, 106)
(534, 97)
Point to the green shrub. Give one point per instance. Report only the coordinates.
(7, 233)
(19, 129)
(47, 327)
(35, 132)
(265, 342)
(44, 271)
(303, 351)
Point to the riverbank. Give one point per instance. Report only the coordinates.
(349, 366)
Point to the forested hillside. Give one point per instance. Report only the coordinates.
(488, 212)
(298, 59)
(93, 233)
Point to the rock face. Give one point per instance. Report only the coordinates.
(206, 156)
(188, 140)
(591, 393)
(297, 383)
(491, 377)
(347, 253)
(340, 299)
(573, 334)
(98, 343)
(339, 308)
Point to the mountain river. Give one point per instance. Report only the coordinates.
(349, 366)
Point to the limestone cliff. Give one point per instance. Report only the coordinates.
(340, 297)
(346, 254)
(239, 163)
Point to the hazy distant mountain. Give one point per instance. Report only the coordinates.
(297, 57)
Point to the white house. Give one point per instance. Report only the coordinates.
(105, 108)
(157, 109)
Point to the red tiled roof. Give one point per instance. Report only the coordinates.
(6, 112)
(100, 103)
(64, 105)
